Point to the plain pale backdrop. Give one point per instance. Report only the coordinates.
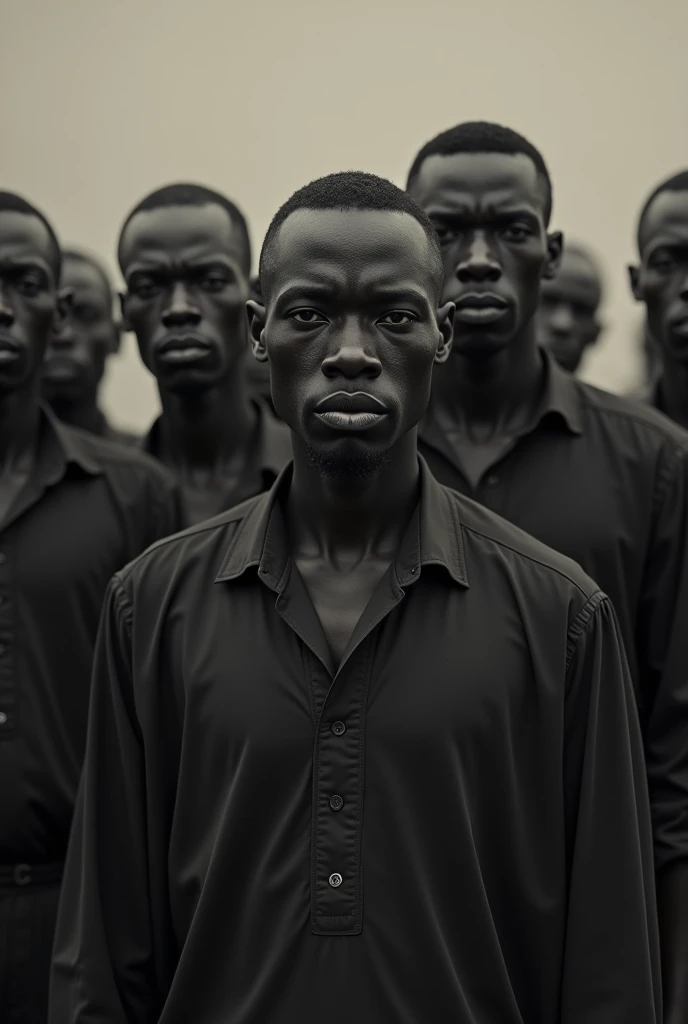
(103, 102)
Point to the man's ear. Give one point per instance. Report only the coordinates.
(124, 324)
(555, 247)
(116, 340)
(65, 297)
(255, 312)
(635, 282)
(445, 322)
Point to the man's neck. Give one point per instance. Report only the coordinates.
(209, 429)
(673, 391)
(82, 413)
(345, 519)
(19, 425)
(491, 396)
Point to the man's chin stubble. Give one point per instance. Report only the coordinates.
(361, 465)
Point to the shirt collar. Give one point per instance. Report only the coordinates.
(561, 395)
(61, 446)
(273, 442)
(433, 536)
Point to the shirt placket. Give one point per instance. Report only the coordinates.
(337, 810)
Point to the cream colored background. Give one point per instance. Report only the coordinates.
(102, 102)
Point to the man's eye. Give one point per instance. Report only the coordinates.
(444, 233)
(397, 318)
(307, 316)
(29, 285)
(664, 264)
(516, 233)
(214, 282)
(144, 287)
(85, 314)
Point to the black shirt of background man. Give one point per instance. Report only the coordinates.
(453, 825)
(269, 452)
(89, 508)
(605, 481)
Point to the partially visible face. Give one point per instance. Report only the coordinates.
(351, 330)
(661, 281)
(567, 320)
(489, 212)
(28, 298)
(186, 294)
(75, 357)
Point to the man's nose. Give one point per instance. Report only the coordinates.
(478, 262)
(351, 360)
(181, 310)
(561, 319)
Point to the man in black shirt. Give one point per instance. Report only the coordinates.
(598, 477)
(567, 318)
(73, 509)
(375, 748)
(661, 282)
(75, 358)
(185, 255)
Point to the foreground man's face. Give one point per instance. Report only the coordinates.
(352, 329)
(489, 212)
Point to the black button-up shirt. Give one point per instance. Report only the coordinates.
(604, 480)
(269, 451)
(88, 509)
(451, 826)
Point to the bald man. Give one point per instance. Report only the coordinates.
(567, 320)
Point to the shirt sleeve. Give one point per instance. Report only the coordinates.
(103, 959)
(662, 632)
(611, 964)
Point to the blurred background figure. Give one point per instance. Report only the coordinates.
(660, 281)
(568, 317)
(185, 255)
(78, 350)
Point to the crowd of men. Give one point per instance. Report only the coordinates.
(357, 689)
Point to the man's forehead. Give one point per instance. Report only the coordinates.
(497, 177)
(167, 229)
(82, 274)
(23, 235)
(667, 214)
(352, 240)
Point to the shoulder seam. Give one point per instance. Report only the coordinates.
(122, 602)
(530, 558)
(629, 414)
(580, 623)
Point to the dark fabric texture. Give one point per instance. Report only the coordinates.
(27, 927)
(452, 826)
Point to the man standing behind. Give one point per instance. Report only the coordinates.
(594, 475)
(661, 282)
(185, 255)
(375, 748)
(75, 358)
(73, 510)
(567, 318)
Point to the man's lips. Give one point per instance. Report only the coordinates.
(480, 308)
(9, 349)
(179, 348)
(356, 410)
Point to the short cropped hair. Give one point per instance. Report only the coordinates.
(10, 202)
(483, 137)
(348, 190)
(677, 183)
(81, 256)
(185, 194)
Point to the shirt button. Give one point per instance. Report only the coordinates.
(335, 880)
(336, 802)
(3, 717)
(492, 480)
(338, 728)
